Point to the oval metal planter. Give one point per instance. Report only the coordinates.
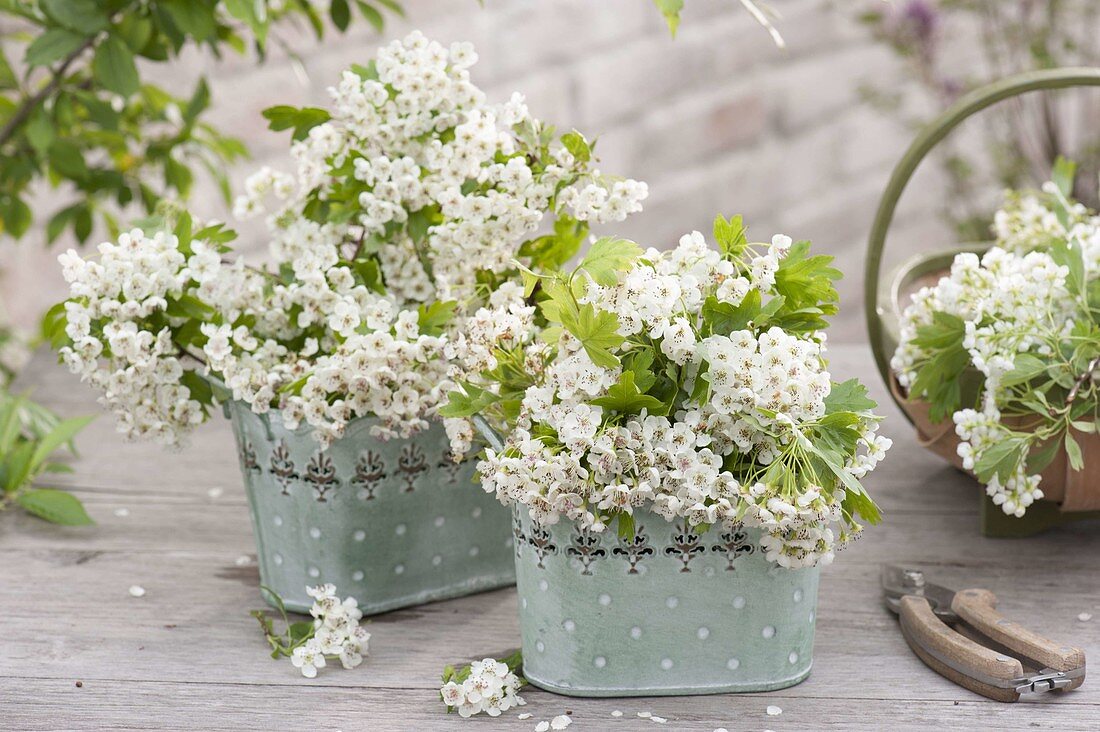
(667, 612)
(392, 523)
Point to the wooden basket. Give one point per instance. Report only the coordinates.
(1068, 495)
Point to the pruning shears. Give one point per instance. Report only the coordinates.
(962, 637)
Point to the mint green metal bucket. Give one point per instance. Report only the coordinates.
(667, 612)
(391, 523)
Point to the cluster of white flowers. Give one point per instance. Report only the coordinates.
(980, 430)
(1006, 301)
(395, 373)
(429, 193)
(565, 458)
(121, 343)
(1012, 300)
(1029, 222)
(336, 634)
(491, 687)
(411, 137)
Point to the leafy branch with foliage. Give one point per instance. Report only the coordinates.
(391, 239)
(76, 112)
(1008, 345)
(690, 382)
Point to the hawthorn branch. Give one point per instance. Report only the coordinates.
(32, 102)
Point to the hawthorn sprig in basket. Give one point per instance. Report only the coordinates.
(393, 271)
(671, 436)
(995, 359)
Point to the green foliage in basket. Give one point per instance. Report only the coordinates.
(1023, 323)
(30, 435)
(692, 382)
(77, 110)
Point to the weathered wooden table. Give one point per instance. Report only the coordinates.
(188, 656)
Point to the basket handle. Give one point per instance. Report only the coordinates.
(928, 138)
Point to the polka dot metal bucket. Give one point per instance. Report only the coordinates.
(666, 612)
(392, 523)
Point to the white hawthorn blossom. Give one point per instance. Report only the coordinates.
(393, 249)
(1014, 299)
(336, 635)
(489, 687)
(564, 458)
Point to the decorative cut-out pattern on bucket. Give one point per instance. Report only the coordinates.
(668, 611)
(392, 524)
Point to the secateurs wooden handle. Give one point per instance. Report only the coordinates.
(962, 637)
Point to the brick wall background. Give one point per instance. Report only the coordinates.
(717, 120)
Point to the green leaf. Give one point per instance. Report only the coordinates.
(945, 330)
(61, 434)
(340, 14)
(40, 131)
(8, 79)
(418, 224)
(16, 217)
(608, 257)
(624, 525)
(598, 332)
(67, 159)
(700, 392)
(198, 386)
(182, 230)
(849, 396)
(625, 398)
(577, 145)
(730, 235)
(188, 306)
(1063, 175)
(433, 318)
(198, 103)
(1073, 452)
(671, 10)
(59, 507)
(857, 499)
(1000, 459)
(300, 631)
(252, 13)
(193, 17)
(11, 423)
(640, 361)
(15, 470)
(370, 274)
(53, 45)
(552, 251)
(468, 403)
(82, 16)
(393, 6)
(1038, 460)
(806, 281)
(53, 326)
(723, 318)
(113, 67)
(372, 16)
(299, 119)
(1025, 368)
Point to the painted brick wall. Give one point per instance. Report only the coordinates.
(717, 120)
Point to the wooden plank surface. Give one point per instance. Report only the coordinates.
(188, 656)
